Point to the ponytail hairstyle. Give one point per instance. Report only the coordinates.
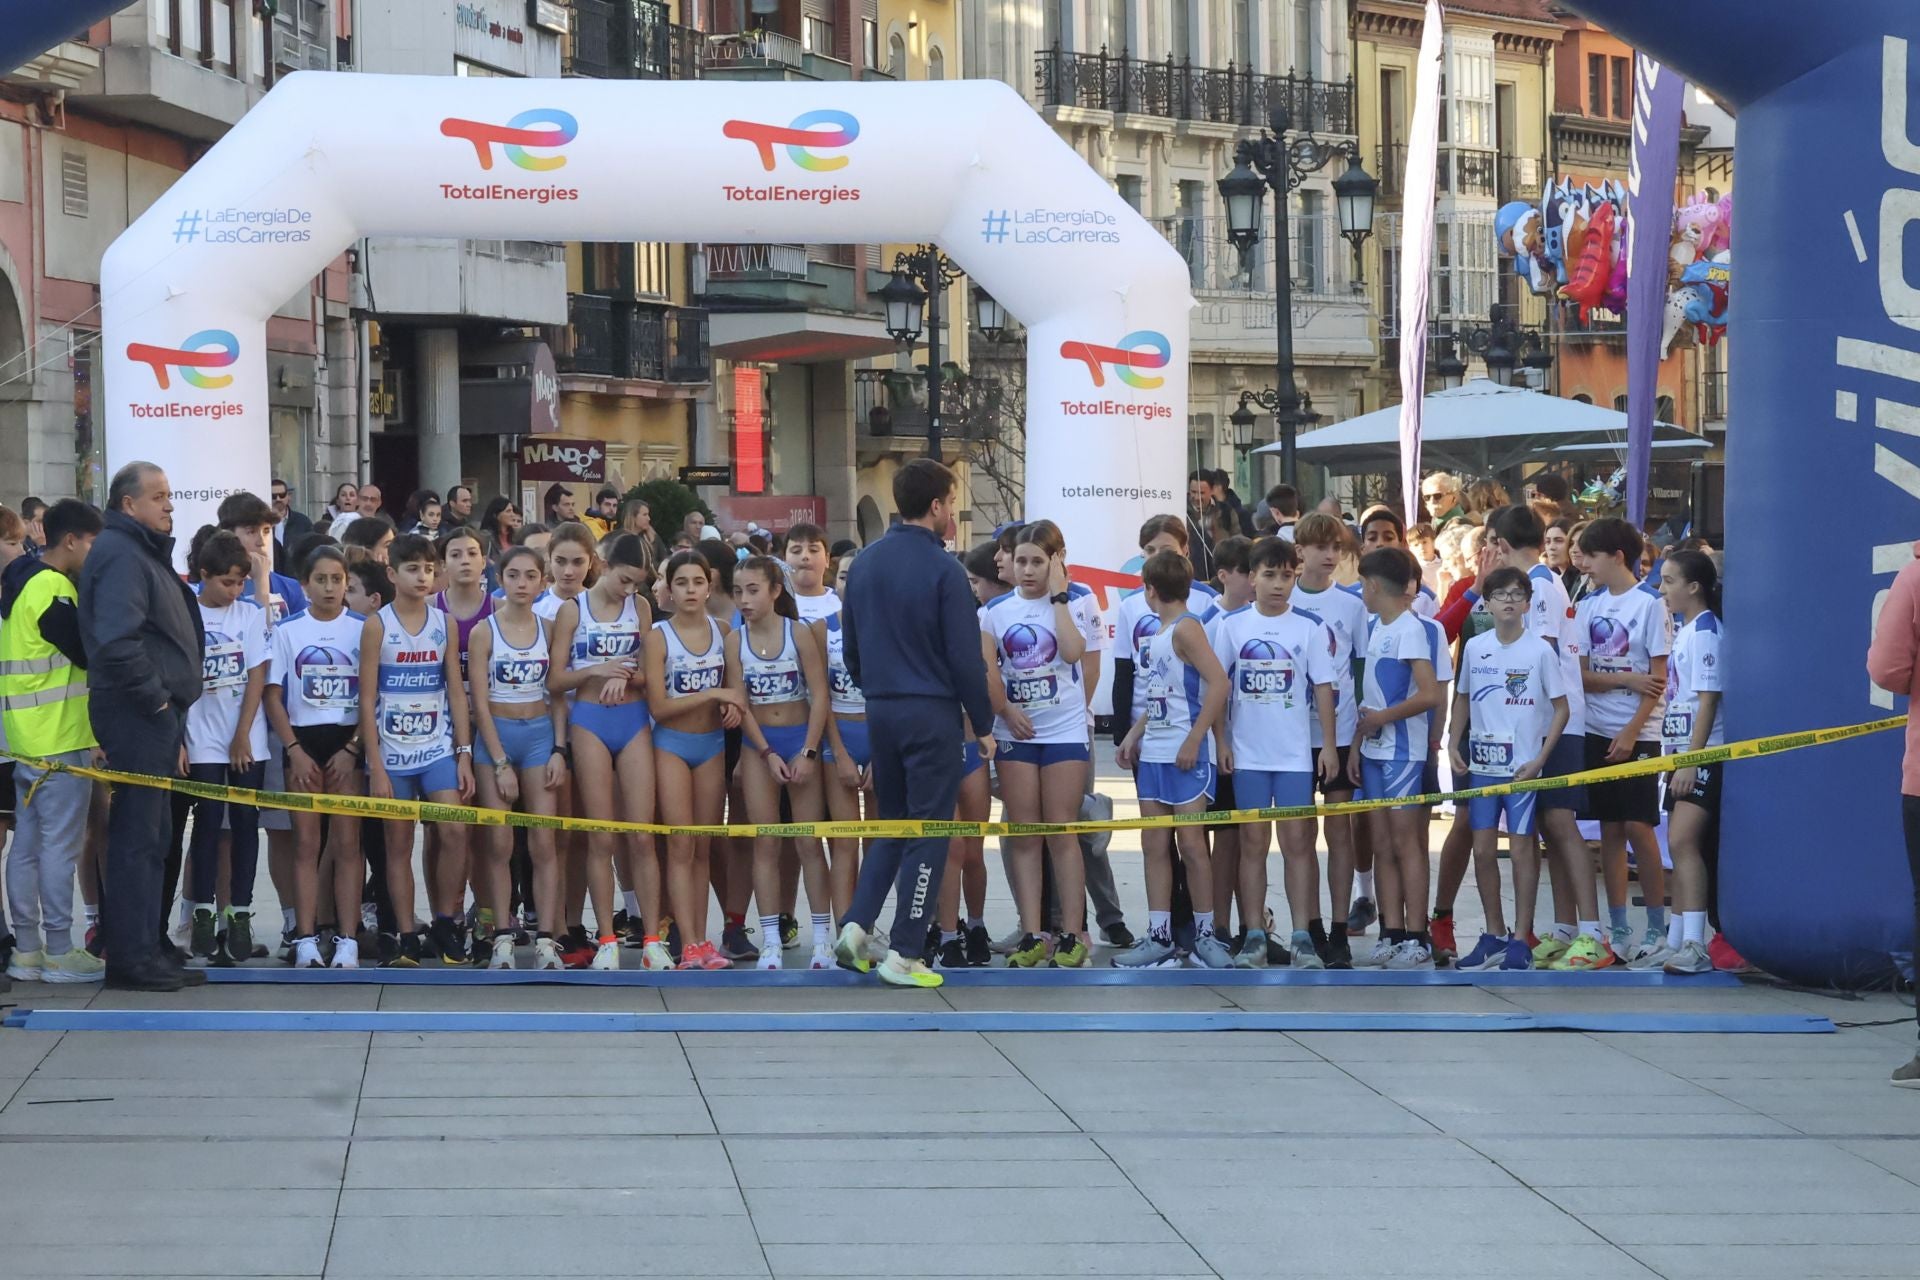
(981, 564)
(624, 551)
(680, 560)
(775, 574)
(1044, 534)
(1697, 567)
(581, 536)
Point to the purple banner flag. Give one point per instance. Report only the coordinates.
(1657, 101)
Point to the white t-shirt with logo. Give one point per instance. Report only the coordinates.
(1552, 617)
(236, 643)
(1272, 665)
(1037, 681)
(1510, 690)
(1625, 632)
(1346, 618)
(1693, 669)
(1387, 680)
(317, 666)
(1135, 623)
(817, 608)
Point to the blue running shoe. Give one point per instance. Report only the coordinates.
(1488, 953)
(1148, 953)
(1519, 955)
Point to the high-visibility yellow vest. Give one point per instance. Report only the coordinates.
(42, 695)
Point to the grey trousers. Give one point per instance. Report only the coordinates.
(48, 833)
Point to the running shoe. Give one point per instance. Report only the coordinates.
(27, 966)
(1305, 954)
(1069, 951)
(1148, 953)
(898, 971)
(1689, 960)
(1906, 1076)
(205, 941)
(1586, 954)
(502, 952)
(606, 956)
(850, 948)
(1488, 953)
(878, 944)
(1725, 958)
(1620, 942)
(1444, 946)
(670, 934)
(413, 949)
(1030, 954)
(546, 955)
(1339, 953)
(445, 936)
(769, 959)
(931, 944)
(1360, 916)
(346, 953)
(577, 950)
(306, 954)
(1411, 954)
(633, 934)
(1118, 935)
(1548, 950)
(1519, 957)
(1008, 945)
(655, 956)
(1651, 955)
(1211, 953)
(1278, 957)
(236, 940)
(76, 965)
(980, 947)
(287, 941)
(1252, 954)
(952, 954)
(789, 932)
(622, 921)
(822, 957)
(1376, 956)
(735, 944)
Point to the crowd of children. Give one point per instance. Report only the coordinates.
(573, 674)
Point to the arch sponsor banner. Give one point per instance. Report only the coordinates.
(328, 158)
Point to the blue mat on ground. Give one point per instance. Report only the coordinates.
(730, 979)
(904, 1020)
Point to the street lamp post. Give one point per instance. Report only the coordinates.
(1273, 162)
(912, 298)
(1505, 347)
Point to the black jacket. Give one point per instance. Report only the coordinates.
(286, 537)
(139, 621)
(59, 624)
(913, 626)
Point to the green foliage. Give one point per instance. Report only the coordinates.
(670, 501)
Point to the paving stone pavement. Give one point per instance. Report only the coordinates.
(792, 1154)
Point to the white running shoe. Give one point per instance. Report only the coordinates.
(346, 953)
(1376, 956)
(502, 952)
(656, 957)
(1411, 954)
(306, 954)
(822, 957)
(607, 957)
(769, 959)
(546, 954)
(75, 965)
(878, 944)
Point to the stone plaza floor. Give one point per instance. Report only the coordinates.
(829, 1153)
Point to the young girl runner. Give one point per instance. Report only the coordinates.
(1043, 738)
(777, 664)
(313, 708)
(1691, 587)
(517, 726)
(600, 632)
(848, 754)
(693, 707)
(570, 565)
(463, 595)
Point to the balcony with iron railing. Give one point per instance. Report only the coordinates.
(1390, 167)
(1235, 308)
(783, 277)
(1468, 171)
(890, 409)
(768, 55)
(1713, 396)
(629, 40)
(1521, 178)
(634, 341)
(1181, 91)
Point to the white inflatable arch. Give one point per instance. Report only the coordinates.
(328, 158)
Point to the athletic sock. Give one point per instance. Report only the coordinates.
(949, 936)
(976, 922)
(288, 922)
(1657, 918)
(1563, 932)
(1592, 929)
(1339, 931)
(631, 901)
(822, 928)
(1617, 918)
(1160, 926)
(1202, 924)
(769, 931)
(1676, 927)
(93, 916)
(1363, 884)
(1693, 926)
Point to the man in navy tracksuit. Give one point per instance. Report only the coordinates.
(913, 647)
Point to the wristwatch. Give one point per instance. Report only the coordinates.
(811, 753)
(1061, 598)
(463, 750)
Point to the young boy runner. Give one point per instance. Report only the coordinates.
(1281, 670)
(1176, 771)
(227, 743)
(1321, 539)
(1400, 689)
(1507, 717)
(1231, 565)
(43, 688)
(1625, 674)
(807, 558)
(408, 664)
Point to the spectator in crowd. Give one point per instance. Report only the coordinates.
(414, 517)
(293, 526)
(637, 518)
(1200, 536)
(1441, 494)
(142, 634)
(694, 526)
(1550, 487)
(458, 508)
(559, 506)
(500, 521)
(366, 503)
(373, 534)
(1893, 663)
(605, 516)
(1221, 486)
(1484, 497)
(1283, 505)
(33, 512)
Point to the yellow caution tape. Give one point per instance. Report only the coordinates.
(474, 815)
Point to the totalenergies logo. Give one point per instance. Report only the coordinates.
(814, 129)
(556, 128)
(190, 358)
(1142, 349)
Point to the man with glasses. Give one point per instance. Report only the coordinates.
(293, 526)
(1441, 494)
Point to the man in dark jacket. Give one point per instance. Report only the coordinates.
(913, 646)
(143, 635)
(293, 525)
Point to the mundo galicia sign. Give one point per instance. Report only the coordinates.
(563, 458)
